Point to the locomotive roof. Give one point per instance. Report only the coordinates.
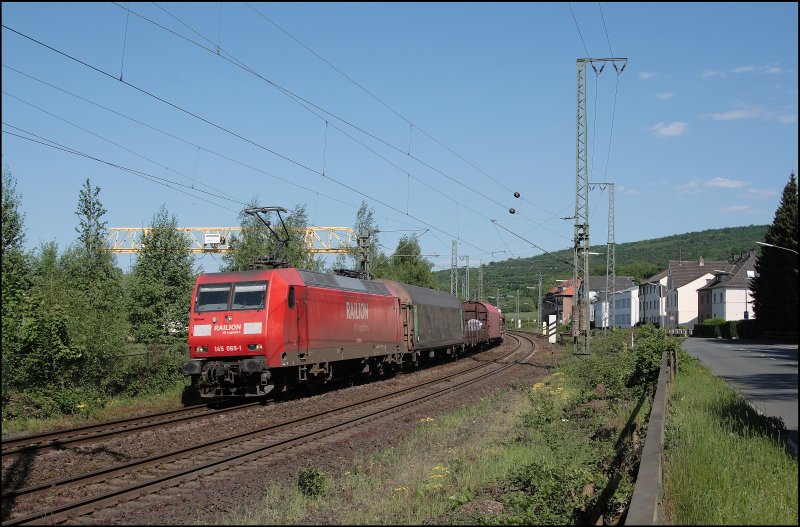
(333, 281)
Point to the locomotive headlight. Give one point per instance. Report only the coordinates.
(254, 347)
(201, 349)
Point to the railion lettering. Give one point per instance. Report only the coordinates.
(356, 311)
(228, 327)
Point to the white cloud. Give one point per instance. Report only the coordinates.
(622, 189)
(751, 112)
(646, 75)
(692, 187)
(732, 115)
(665, 95)
(737, 209)
(787, 118)
(724, 183)
(712, 73)
(759, 70)
(670, 130)
(761, 193)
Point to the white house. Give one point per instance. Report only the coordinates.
(728, 295)
(626, 307)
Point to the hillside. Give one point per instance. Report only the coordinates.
(640, 259)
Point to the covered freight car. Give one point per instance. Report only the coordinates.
(432, 321)
(482, 323)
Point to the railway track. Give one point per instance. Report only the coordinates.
(50, 501)
(91, 433)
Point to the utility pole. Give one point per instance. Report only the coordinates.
(454, 269)
(466, 276)
(539, 305)
(480, 281)
(580, 300)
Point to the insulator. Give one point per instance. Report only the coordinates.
(511, 210)
(516, 194)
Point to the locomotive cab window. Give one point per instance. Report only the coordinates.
(291, 298)
(249, 295)
(212, 297)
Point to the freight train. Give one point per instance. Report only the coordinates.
(253, 332)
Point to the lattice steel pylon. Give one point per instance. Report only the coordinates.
(611, 258)
(580, 299)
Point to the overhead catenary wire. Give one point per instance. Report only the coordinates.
(175, 106)
(300, 100)
(605, 29)
(381, 101)
(155, 179)
(305, 103)
(186, 141)
(397, 113)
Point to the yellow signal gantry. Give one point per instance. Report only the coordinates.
(318, 240)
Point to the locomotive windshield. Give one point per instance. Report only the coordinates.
(217, 297)
(249, 295)
(212, 297)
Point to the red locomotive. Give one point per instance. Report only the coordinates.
(253, 331)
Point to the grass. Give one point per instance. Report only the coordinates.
(443, 463)
(526, 455)
(118, 407)
(724, 464)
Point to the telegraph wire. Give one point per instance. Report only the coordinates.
(177, 107)
(605, 29)
(177, 138)
(229, 197)
(530, 242)
(98, 70)
(186, 141)
(125, 41)
(150, 177)
(579, 29)
(303, 101)
(401, 116)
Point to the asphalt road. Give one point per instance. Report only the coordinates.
(764, 373)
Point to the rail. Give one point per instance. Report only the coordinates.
(646, 503)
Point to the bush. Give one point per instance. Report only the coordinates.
(545, 494)
(40, 403)
(154, 371)
(312, 481)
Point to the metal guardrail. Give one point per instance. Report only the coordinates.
(646, 503)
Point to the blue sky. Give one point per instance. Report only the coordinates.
(448, 110)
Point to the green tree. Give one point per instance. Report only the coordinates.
(366, 225)
(408, 266)
(49, 357)
(98, 321)
(160, 285)
(15, 277)
(775, 285)
(256, 241)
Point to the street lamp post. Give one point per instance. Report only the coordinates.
(777, 247)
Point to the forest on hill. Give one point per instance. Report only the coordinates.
(640, 259)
